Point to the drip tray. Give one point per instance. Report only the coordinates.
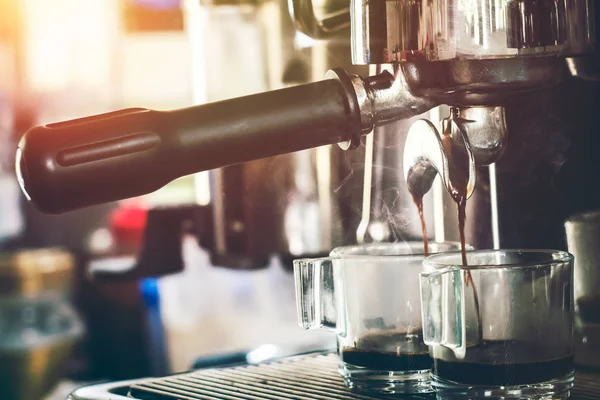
(303, 377)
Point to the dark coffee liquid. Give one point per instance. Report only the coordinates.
(504, 363)
(419, 203)
(459, 179)
(394, 351)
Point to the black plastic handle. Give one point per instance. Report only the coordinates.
(131, 152)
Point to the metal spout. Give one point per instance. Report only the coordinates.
(471, 137)
(425, 156)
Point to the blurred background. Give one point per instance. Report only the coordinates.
(99, 294)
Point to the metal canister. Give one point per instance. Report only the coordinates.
(583, 239)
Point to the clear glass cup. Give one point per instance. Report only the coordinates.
(369, 296)
(501, 328)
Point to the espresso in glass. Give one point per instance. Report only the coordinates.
(505, 363)
(501, 327)
(392, 350)
(369, 296)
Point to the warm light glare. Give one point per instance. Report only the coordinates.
(68, 42)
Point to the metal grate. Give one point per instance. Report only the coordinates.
(304, 377)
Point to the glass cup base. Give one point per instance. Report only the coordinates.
(386, 382)
(556, 389)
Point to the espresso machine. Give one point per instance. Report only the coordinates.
(476, 57)
(482, 70)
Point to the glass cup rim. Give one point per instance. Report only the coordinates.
(586, 217)
(347, 252)
(433, 263)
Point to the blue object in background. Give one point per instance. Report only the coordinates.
(157, 351)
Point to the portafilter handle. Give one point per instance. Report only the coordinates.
(127, 153)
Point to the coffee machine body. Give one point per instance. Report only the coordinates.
(493, 72)
(473, 55)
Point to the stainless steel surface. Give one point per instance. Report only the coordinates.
(485, 127)
(583, 236)
(482, 49)
(468, 82)
(546, 27)
(385, 98)
(473, 52)
(302, 377)
(307, 22)
(386, 31)
(106, 391)
(587, 68)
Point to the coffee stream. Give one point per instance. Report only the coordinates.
(458, 191)
(418, 199)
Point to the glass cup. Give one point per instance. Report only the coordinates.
(502, 327)
(369, 296)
